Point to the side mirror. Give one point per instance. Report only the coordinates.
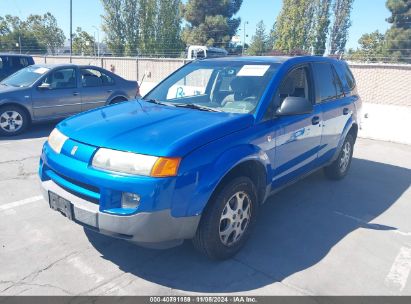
(295, 106)
(44, 86)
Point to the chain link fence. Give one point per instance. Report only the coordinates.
(387, 84)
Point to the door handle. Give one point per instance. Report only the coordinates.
(75, 93)
(346, 111)
(315, 120)
(109, 91)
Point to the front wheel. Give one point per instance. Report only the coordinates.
(339, 168)
(13, 120)
(227, 220)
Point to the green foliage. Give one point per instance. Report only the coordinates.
(83, 43)
(168, 36)
(294, 25)
(210, 22)
(372, 49)
(143, 27)
(46, 30)
(398, 37)
(320, 26)
(35, 35)
(341, 23)
(114, 26)
(259, 42)
(131, 23)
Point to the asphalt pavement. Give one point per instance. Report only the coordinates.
(316, 237)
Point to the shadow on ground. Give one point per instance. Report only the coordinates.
(296, 229)
(33, 131)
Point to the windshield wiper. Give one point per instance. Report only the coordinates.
(196, 107)
(155, 101)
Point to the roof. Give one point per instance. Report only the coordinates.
(59, 65)
(271, 59)
(14, 55)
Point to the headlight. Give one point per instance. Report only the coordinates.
(56, 140)
(136, 164)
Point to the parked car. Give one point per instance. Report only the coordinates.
(11, 63)
(199, 154)
(48, 92)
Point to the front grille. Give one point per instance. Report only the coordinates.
(79, 184)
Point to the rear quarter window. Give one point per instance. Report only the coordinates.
(349, 77)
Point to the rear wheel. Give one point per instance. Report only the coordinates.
(339, 168)
(13, 120)
(227, 221)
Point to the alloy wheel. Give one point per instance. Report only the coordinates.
(11, 121)
(235, 218)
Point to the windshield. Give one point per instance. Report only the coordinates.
(25, 77)
(226, 86)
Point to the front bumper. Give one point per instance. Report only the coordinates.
(144, 228)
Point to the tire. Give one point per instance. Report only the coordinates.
(340, 167)
(118, 100)
(13, 120)
(221, 232)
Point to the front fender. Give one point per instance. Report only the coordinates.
(194, 188)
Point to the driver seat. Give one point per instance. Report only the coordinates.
(243, 87)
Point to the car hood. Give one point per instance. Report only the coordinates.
(10, 89)
(145, 128)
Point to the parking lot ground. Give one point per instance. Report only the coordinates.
(317, 237)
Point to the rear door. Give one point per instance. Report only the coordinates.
(96, 88)
(335, 105)
(61, 99)
(299, 136)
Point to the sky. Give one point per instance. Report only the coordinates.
(367, 15)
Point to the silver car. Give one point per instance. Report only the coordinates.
(49, 92)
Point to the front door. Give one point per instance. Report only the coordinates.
(61, 98)
(298, 137)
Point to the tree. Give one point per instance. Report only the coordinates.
(341, 23)
(114, 26)
(210, 22)
(320, 26)
(294, 24)
(169, 28)
(372, 48)
(83, 43)
(46, 30)
(148, 26)
(131, 23)
(398, 37)
(16, 36)
(259, 42)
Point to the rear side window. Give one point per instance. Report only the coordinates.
(95, 78)
(325, 81)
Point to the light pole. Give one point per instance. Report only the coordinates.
(98, 40)
(245, 23)
(71, 29)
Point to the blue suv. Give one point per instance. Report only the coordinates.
(198, 155)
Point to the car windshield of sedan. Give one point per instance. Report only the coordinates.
(220, 86)
(25, 77)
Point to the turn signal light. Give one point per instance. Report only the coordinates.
(165, 167)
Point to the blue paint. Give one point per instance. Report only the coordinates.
(209, 143)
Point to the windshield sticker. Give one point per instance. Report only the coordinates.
(253, 70)
(41, 70)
